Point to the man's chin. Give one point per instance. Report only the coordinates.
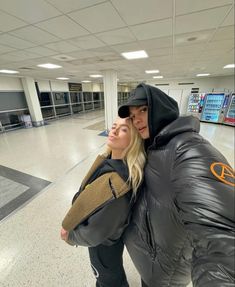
(144, 136)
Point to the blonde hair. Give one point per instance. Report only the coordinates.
(134, 157)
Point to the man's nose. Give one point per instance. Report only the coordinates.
(136, 120)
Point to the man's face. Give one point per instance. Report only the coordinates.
(139, 117)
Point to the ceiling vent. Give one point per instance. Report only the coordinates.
(26, 68)
(161, 84)
(63, 58)
(181, 84)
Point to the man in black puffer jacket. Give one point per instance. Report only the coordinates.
(183, 225)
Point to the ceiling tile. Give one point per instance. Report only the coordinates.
(224, 33)
(163, 42)
(34, 35)
(192, 49)
(8, 22)
(162, 60)
(98, 18)
(151, 30)
(192, 38)
(72, 5)
(189, 6)
(204, 20)
(127, 47)
(224, 45)
(103, 50)
(116, 36)
(15, 42)
(18, 56)
(5, 49)
(229, 20)
(211, 55)
(39, 9)
(159, 52)
(42, 51)
(62, 27)
(87, 42)
(62, 47)
(81, 54)
(144, 11)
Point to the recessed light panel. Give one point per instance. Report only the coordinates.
(8, 72)
(96, 76)
(152, 71)
(158, 77)
(229, 66)
(49, 66)
(203, 75)
(135, 55)
(62, 78)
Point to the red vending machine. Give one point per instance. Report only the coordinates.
(229, 118)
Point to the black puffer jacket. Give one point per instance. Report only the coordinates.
(183, 224)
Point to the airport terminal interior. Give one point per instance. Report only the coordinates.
(54, 119)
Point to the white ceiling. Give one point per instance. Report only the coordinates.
(181, 37)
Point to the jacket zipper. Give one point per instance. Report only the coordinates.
(150, 237)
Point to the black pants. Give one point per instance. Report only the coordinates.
(107, 265)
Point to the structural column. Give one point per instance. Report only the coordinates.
(32, 101)
(110, 97)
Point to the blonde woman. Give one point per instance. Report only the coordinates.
(101, 209)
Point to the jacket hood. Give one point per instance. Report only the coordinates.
(178, 126)
(162, 109)
(116, 165)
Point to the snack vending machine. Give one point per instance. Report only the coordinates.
(212, 107)
(195, 104)
(229, 118)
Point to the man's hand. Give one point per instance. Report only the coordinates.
(64, 234)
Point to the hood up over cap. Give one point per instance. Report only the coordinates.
(162, 109)
(137, 98)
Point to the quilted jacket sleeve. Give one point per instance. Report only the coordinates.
(204, 186)
(103, 227)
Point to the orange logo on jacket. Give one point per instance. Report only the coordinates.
(223, 172)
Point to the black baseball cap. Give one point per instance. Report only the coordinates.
(137, 98)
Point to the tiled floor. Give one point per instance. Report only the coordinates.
(31, 252)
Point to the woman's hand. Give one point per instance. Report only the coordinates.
(64, 234)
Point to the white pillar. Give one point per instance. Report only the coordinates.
(32, 101)
(110, 97)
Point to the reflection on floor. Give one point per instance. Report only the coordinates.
(31, 252)
(100, 126)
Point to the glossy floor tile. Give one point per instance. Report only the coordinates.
(16, 189)
(31, 252)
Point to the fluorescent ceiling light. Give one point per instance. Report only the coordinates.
(135, 55)
(229, 66)
(9, 72)
(85, 81)
(158, 77)
(49, 66)
(202, 75)
(152, 71)
(62, 78)
(96, 76)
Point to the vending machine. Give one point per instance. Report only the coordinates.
(229, 118)
(195, 104)
(212, 107)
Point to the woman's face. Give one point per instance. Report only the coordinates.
(119, 135)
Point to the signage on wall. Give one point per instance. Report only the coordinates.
(75, 87)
